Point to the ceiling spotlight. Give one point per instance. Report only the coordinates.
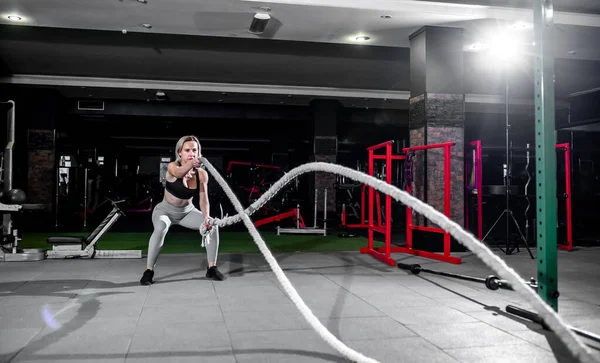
(259, 23)
(161, 96)
(14, 18)
(362, 38)
(142, 1)
(386, 17)
(147, 26)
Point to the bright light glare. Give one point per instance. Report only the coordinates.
(521, 25)
(15, 18)
(549, 13)
(504, 48)
(358, 38)
(477, 46)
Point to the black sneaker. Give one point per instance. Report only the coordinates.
(214, 273)
(147, 277)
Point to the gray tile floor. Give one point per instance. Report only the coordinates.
(96, 311)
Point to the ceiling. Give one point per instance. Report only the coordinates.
(331, 21)
(201, 50)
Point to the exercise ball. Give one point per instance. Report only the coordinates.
(16, 196)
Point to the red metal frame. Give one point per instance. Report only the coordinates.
(445, 257)
(276, 218)
(568, 201)
(138, 207)
(382, 254)
(567, 149)
(478, 186)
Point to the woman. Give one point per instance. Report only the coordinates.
(184, 180)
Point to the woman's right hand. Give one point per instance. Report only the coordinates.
(196, 163)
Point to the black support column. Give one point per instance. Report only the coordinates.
(41, 148)
(437, 114)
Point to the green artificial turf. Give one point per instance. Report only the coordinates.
(230, 242)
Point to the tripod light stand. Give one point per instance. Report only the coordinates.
(507, 213)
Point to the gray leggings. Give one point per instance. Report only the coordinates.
(164, 215)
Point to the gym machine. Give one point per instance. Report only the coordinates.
(10, 250)
(70, 247)
(308, 230)
(63, 247)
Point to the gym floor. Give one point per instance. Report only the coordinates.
(96, 310)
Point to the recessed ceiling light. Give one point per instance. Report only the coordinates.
(362, 38)
(572, 52)
(14, 18)
(142, 1)
(386, 16)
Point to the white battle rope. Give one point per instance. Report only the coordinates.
(550, 317)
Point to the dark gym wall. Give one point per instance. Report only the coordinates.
(36, 114)
(357, 129)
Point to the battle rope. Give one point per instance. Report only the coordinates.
(287, 285)
(553, 320)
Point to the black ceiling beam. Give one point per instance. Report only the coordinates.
(157, 41)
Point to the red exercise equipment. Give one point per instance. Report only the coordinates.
(478, 166)
(384, 253)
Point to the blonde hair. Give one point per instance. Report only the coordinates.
(182, 141)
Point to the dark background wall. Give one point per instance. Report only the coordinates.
(133, 136)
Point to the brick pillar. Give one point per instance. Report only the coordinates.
(41, 148)
(41, 151)
(325, 116)
(436, 115)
